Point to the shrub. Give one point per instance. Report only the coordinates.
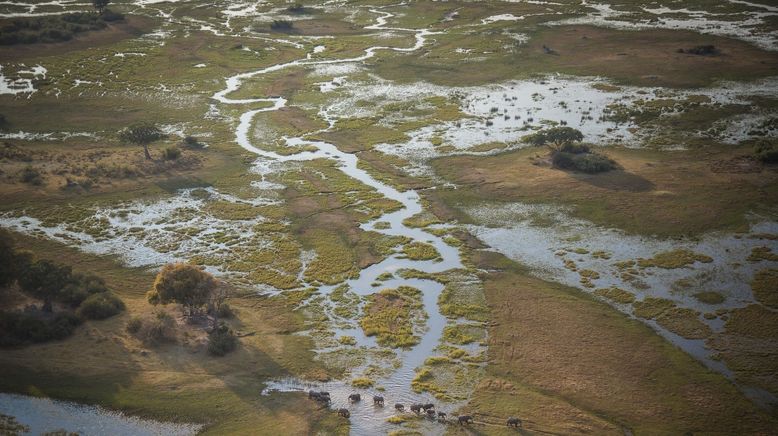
(221, 341)
(574, 148)
(110, 16)
(192, 142)
(31, 176)
(171, 153)
(296, 8)
(224, 311)
(584, 162)
(134, 325)
(29, 30)
(766, 151)
(81, 286)
(24, 328)
(156, 329)
(100, 306)
(281, 25)
(701, 50)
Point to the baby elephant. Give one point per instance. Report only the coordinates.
(344, 413)
(514, 422)
(378, 400)
(399, 407)
(354, 398)
(465, 419)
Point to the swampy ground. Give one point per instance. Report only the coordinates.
(636, 301)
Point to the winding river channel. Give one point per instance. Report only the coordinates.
(365, 418)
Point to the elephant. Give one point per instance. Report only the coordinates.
(514, 422)
(344, 413)
(416, 408)
(465, 419)
(441, 415)
(378, 400)
(399, 407)
(354, 398)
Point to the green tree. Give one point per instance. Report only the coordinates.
(185, 284)
(44, 280)
(100, 5)
(142, 134)
(555, 137)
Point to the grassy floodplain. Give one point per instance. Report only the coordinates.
(358, 176)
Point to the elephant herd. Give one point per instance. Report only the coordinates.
(427, 409)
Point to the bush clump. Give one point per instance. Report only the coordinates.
(766, 152)
(192, 142)
(58, 28)
(224, 311)
(281, 25)
(154, 330)
(221, 341)
(100, 306)
(134, 325)
(701, 50)
(21, 328)
(31, 176)
(584, 162)
(81, 286)
(297, 8)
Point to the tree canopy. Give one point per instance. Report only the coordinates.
(182, 283)
(45, 280)
(556, 137)
(141, 134)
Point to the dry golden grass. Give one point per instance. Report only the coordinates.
(570, 364)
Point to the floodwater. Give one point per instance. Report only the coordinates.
(44, 415)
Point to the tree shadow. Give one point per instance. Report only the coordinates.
(616, 180)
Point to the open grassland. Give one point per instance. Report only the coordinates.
(661, 193)
(644, 58)
(571, 364)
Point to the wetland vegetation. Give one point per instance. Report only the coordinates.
(229, 217)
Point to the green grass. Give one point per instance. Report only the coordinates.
(391, 315)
